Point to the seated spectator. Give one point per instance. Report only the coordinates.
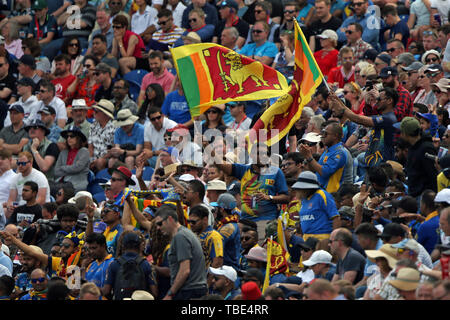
(261, 49)
(13, 43)
(48, 117)
(169, 31)
(14, 137)
(47, 97)
(102, 53)
(43, 27)
(122, 100)
(27, 68)
(73, 162)
(105, 81)
(128, 139)
(8, 89)
(78, 112)
(103, 27)
(344, 73)
(85, 84)
(62, 76)
(31, 211)
(31, 47)
(198, 24)
(354, 34)
(228, 12)
(153, 98)
(208, 9)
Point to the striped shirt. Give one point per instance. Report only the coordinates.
(170, 37)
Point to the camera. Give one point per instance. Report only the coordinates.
(432, 157)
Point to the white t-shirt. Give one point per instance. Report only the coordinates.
(177, 14)
(5, 183)
(18, 181)
(60, 108)
(140, 22)
(31, 108)
(155, 137)
(442, 7)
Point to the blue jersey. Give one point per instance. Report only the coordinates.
(96, 272)
(317, 213)
(428, 232)
(333, 162)
(175, 107)
(268, 49)
(231, 244)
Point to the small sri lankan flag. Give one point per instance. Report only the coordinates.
(284, 112)
(211, 74)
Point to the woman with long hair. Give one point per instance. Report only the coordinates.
(85, 85)
(352, 93)
(72, 47)
(154, 97)
(13, 43)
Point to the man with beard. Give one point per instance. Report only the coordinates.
(345, 72)
(413, 75)
(96, 270)
(404, 104)
(122, 100)
(63, 77)
(325, 20)
(159, 74)
(23, 280)
(381, 145)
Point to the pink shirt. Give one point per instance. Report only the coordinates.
(165, 80)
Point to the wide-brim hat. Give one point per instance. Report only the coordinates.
(407, 279)
(192, 36)
(386, 251)
(106, 107)
(76, 131)
(125, 118)
(79, 104)
(306, 180)
(37, 123)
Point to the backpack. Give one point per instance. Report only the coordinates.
(129, 278)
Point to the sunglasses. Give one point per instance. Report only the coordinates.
(97, 73)
(117, 27)
(156, 118)
(258, 11)
(54, 252)
(163, 23)
(289, 11)
(40, 280)
(22, 163)
(73, 45)
(432, 75)
(192, 20)
(185, 170)
(348, 31)
(211, 111)
(431, 60)
(246, 238)
(117, 88)
(391, 49)
(192, 221)
(257, 31)
(159, 223)
(357, 4)
(115, 3)
(311, 144)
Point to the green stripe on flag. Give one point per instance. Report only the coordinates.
(189, 80)
(311, 61)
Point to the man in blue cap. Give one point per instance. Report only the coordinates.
(228, 11)
(28, 101)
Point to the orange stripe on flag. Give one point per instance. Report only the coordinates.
(202, 78)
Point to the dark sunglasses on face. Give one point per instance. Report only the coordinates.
(193, 20)
(117, 27)
(162, 23)
(22, 163)
(192, 221)
(258, 11)
(257, 31)
(289, 11)
(155, 118)
(116, 179)
(391, 50)
(431, 60)
(96, 73)
(73, 45)
(40, 280)
(159, 223)
(348, 31)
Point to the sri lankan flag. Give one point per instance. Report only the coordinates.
(277, 260)
(284, 112)
(211, 74)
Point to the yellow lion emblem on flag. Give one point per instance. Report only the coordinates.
(239, 73)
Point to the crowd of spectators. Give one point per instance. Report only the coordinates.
(111, 190)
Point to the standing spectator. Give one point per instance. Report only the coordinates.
(101, 135)
(186, 259)
(30, 212)
(132, 250)
(421, 171)
(428, 231)
(396, 28)
(320, 221)
(351, 263)
(73, 162)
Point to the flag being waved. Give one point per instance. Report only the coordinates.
(284, 112)
(211, 74)
(277, 261)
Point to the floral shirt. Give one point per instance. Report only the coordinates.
(101, 138)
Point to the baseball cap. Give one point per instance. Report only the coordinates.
(216, 184)
(187, 177)
(103, 67)
(392, 230)
(131, 237)
(346, 213)
(443, 196)
(226, 271)
(309, 244)
(409, 126)
(443, 84)
(39, 4)
(415, 66)
(319, 256)
(47, 110)
(370, 54)
(312, 137)
(28, 60)
(434, 68)
(230, 4)
(17, 107)
(27, 82)
(388, 71)
(235, 188)
(384, 57)
(328, 34)
(78, 195)
(409, 244)
(226, 201)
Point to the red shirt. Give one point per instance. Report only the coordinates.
(139, 46)
(337, 75)
(61, 85)
(326, 60)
